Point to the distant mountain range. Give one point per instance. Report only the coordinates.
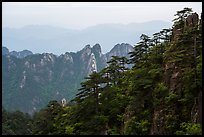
(30, 81)
(20, 54)
(42, 38)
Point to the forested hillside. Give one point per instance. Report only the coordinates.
(30, 81)
(160, 95)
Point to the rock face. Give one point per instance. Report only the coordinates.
(5, 51)
(20, 54)
(173, 74)
(192, 20)
(120, 50)
(30, 82)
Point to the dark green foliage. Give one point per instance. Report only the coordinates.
(137, 127)
(189, 129)
(159, 95)
(16, 123)
(181, 16)
(139, 55)
(44, 120)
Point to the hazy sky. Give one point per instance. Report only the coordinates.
(79, 15)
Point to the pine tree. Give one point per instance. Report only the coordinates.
(91, 87)
(139, 55)
(179, 22)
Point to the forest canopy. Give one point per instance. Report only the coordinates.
(161, 94)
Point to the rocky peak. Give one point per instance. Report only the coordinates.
(92, 67)
(192, 20)
(49, 57)
(67, 57)
(120, 50)
(20, 54)
(97, 48)
(5, 51)
(86, 51)
(173, 79)
(87, 47)
(42, 70)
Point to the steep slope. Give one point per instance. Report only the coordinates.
(20, 54)
(182, 76)
(30, 82)
(5, 51)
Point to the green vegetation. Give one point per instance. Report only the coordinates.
(158, 95)
(16, 123)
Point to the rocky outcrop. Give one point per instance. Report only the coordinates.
(175, 33)
(5, 51)
(119, 50)
(97, 49)
(173, 74)
(39, 78)
(20, 54)
(192, 20)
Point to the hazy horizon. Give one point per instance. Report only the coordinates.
(80, 15)
(84, 15)
(80, 29)
(49, 39)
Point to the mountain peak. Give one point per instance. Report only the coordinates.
(87, 46)
(97, 48)
(120, 50)
(47, 69)
(34, 36)
(121, 46)
(5, 51)
(20, 54)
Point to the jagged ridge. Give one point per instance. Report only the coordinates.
(32, 81)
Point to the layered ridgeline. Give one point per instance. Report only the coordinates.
(30, 81)
(160, 95)
(34, 37)
(20, 54)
